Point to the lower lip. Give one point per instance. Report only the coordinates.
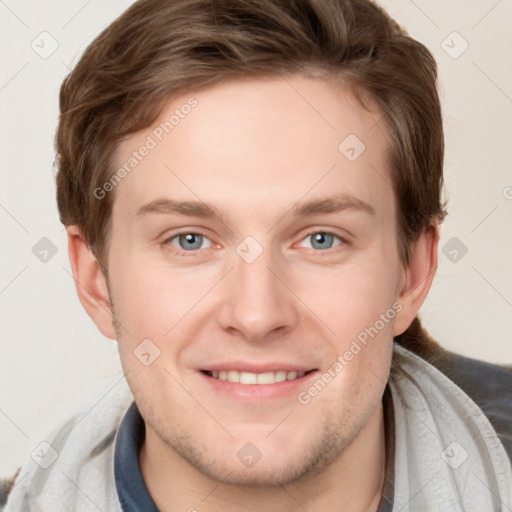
(258, 391)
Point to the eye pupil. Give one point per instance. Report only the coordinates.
(190, 241)
(322, 240)
(193, 241)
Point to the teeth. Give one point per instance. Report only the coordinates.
(280, 376)
(266, 378)
(246, 377)
(233, 376)
(256, 378)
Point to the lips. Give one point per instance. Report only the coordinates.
(251, 373)
(255, 382)
(251, 378)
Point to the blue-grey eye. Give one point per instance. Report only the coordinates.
(190, 241)
(322, 240)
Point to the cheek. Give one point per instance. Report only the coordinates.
(357, 304)
(350, 298)
(149, 300)
(359, 371)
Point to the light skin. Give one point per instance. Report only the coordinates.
(256, 152)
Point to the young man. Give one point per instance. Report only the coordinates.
(251, 191)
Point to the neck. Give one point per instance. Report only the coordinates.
(353, 482)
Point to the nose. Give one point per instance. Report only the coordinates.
(258, 302)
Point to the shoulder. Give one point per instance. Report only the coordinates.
(84, 445)
(488, 385)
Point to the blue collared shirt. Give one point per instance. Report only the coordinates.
(131, 489)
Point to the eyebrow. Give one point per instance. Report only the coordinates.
(172, 206)
(331, 204)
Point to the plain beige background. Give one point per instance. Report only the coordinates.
(53, 359)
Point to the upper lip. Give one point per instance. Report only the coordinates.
(244, 366)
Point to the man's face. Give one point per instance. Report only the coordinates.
(269, 284)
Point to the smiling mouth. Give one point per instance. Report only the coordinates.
(249, 378)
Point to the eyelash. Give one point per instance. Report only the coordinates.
(179, 252)
(342, 240)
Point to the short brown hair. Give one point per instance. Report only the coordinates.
(157, 49)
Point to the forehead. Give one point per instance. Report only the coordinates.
(248, 143)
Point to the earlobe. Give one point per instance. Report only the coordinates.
(417, 278)
(90, 282)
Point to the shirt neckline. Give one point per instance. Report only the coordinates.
(134, 495)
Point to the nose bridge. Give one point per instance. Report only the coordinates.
(256, 303)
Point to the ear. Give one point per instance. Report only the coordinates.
(417, 278)
(90, 282)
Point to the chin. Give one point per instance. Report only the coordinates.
(262, 474)
(264, 463)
